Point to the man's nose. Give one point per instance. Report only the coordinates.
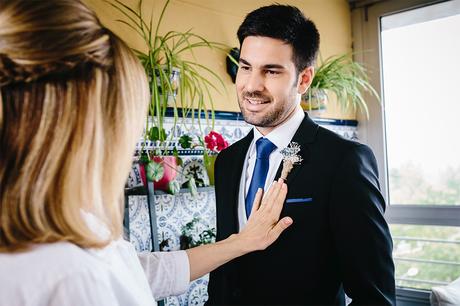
(255, 82)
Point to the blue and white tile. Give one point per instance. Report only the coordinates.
(139, 223)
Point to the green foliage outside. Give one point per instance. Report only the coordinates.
(409, 185)
(420, 250)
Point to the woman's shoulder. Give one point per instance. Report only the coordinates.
(45, 267)
(49, 257)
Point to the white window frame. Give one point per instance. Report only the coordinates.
(366, 16)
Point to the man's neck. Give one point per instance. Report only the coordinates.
(266, 130)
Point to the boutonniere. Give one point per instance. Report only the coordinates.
(290, 158)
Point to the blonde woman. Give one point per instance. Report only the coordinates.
(72, 96)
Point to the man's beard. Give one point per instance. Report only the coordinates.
(269, 119)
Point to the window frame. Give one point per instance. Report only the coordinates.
(367, 50)
(366, 36)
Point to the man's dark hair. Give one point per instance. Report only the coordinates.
(288, 24)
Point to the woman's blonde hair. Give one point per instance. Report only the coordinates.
(72, 99)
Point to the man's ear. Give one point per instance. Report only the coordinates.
(305, 79)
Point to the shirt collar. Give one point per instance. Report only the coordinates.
(282, 134)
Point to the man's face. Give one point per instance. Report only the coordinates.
(267, 83)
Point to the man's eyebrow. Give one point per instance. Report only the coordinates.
(267, 66)
(273, 66)
(243, 61)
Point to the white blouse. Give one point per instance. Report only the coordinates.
(65, 274)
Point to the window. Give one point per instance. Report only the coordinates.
(420, 77)
(411, 49)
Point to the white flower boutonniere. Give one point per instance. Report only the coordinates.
(290, 158)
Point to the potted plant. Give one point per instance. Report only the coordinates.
(190, 238)
(341, 78)
(176, 82)
(213, 144)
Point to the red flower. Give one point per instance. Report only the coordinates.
(215, 142)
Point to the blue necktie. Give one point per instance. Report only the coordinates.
(264, 148)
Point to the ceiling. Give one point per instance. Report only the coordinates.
(361, 3)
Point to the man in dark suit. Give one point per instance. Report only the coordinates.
(339, 241)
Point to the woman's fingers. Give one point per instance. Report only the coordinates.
(273, 199)
(257, 200)
(272, 194)
(267, 197)
(278, 202)
(280, 227)
(264, 226)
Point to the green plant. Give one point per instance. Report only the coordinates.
(176, 78)
(167, 55)
(211, 144)
(188, 237)
(343, 78)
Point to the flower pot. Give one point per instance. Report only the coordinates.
(170, 172)
(169, 164)
(314, 102)
(209, 161)
(174, 79)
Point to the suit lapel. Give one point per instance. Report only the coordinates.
(235, 171)
(305, 134)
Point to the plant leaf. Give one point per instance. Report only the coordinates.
(185, 141)
(192, 187)
(173, 187)
(154, 171)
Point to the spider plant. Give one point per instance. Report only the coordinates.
(166, 55)
(345, 79)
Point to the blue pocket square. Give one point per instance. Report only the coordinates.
(299, 200)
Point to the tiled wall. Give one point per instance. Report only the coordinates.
(233, 128)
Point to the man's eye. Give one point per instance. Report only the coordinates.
(245, 68)
(272, 72)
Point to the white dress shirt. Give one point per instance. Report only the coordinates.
(281, 136)
(64, 274)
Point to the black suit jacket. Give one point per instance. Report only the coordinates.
(339, 240)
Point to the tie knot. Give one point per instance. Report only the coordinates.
(264, 147)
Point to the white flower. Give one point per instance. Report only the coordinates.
(290, 158)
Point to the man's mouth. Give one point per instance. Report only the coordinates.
(257, 101)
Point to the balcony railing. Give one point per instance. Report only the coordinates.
(436, 267)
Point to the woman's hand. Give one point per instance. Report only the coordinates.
(262, 229)
(264, 226)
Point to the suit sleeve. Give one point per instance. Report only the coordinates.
(361, 234)
(218, 192)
